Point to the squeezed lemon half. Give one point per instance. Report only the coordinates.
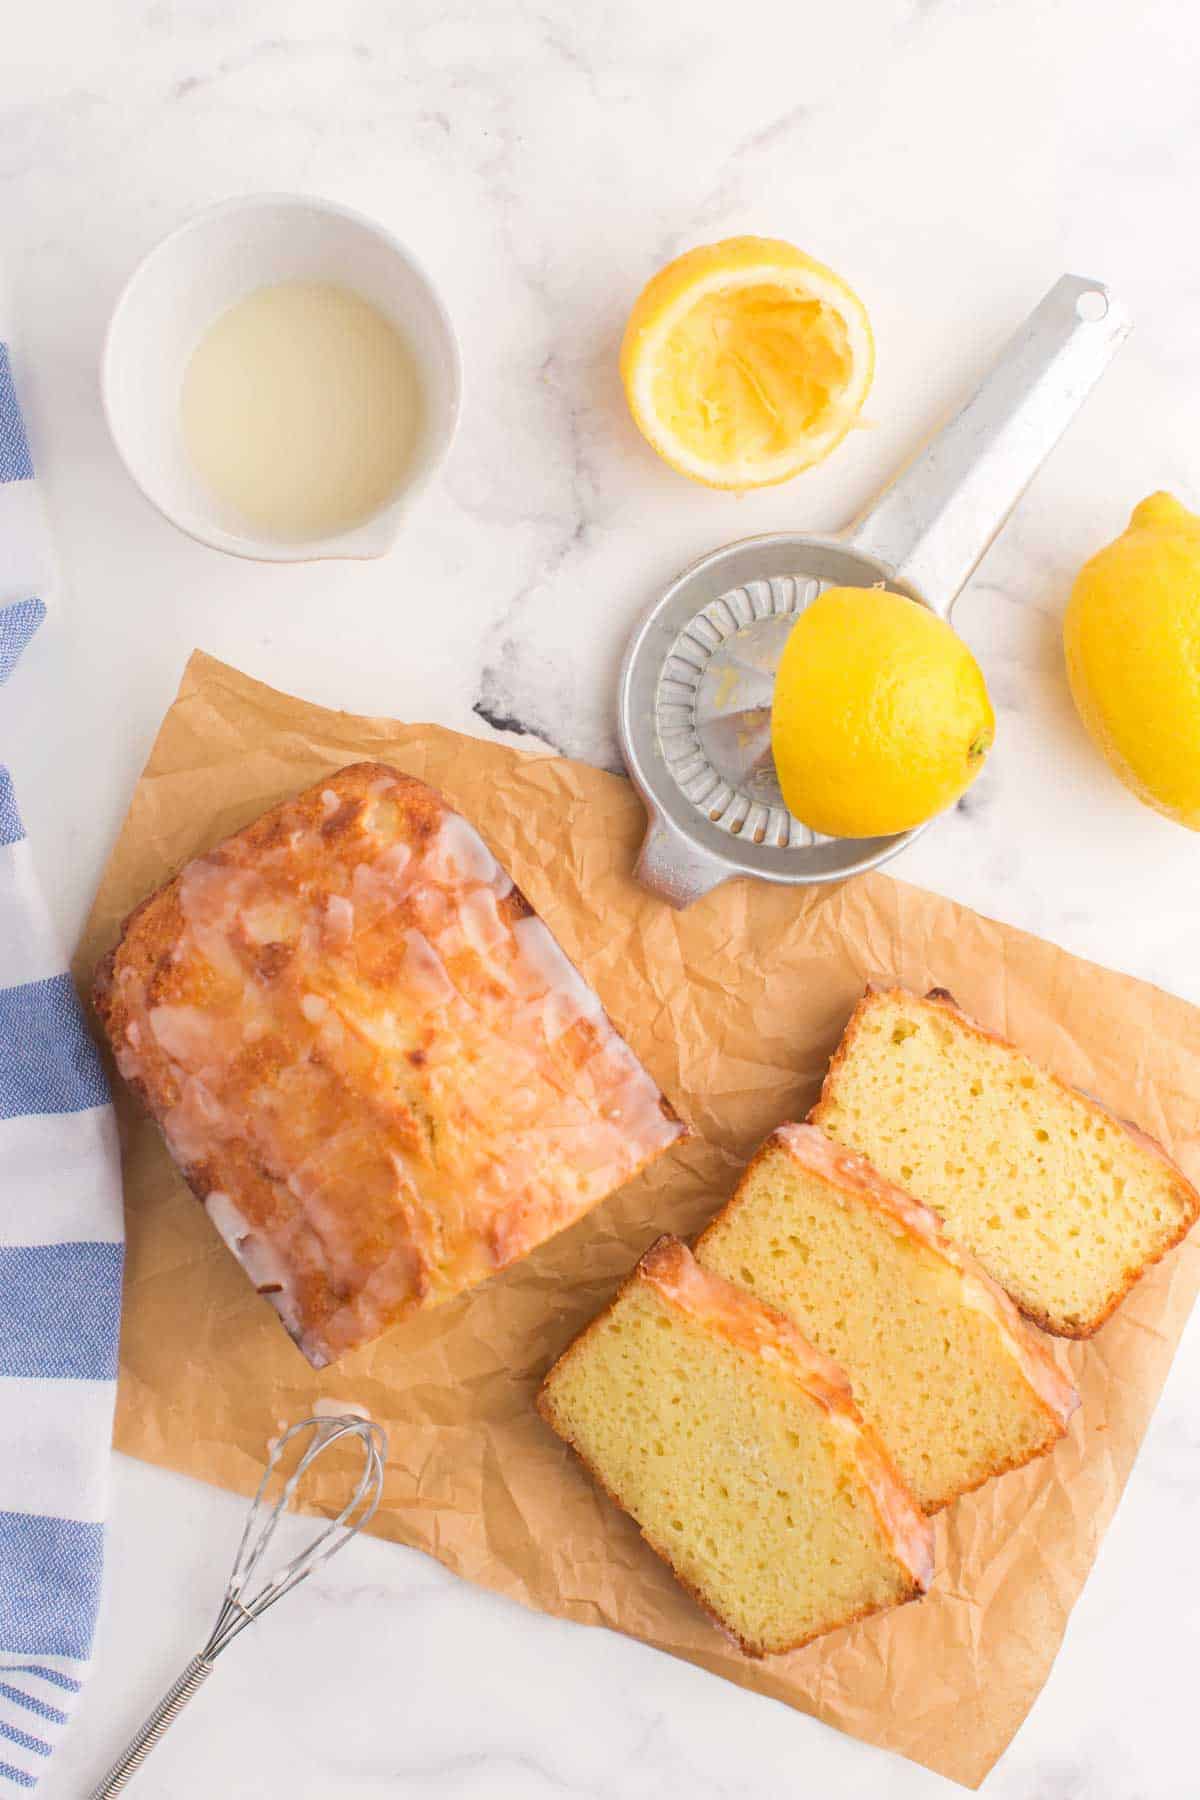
(746, 361)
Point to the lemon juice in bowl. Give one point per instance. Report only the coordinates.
(301, 408)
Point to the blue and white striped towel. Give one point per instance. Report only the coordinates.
(60, 1239)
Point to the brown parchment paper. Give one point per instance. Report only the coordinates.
(735, 1006)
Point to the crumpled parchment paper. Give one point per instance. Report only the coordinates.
(735, 1006)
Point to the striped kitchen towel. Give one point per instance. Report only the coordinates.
(60, 1239)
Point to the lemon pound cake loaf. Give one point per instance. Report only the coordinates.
(1064, 1204)
(738, 1450)
(942, 1365)
(370, 1060)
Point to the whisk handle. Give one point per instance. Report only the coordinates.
(164, 1715)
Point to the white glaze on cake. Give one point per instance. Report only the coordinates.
(355, 1028)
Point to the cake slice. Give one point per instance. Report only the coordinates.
(942, 1365)
(371, 1061)
(738, 1450)
(1064, 1204)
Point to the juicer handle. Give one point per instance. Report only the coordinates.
(931, 527)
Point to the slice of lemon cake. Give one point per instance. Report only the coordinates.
(941, 1363)
(1064, 1204)
(738, 1450)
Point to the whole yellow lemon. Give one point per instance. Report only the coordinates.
(880, 715)
(1132, 638)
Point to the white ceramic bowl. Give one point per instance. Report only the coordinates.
(193, 275)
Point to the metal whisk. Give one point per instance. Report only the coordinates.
(241, 1607)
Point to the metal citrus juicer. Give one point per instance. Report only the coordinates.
(694, 712)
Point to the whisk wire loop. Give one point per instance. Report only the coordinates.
(240, 1608)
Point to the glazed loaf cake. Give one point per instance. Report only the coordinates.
(956, 1384)
(370, 1059)
(739, 1452)
(1064, 1204)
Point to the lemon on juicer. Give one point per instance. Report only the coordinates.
(1132, 641)
(880, 716)
(746, 361)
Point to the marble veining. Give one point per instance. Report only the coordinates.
(543, 160)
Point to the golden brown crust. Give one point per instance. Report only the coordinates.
(1187, 1196)
(745, 1321)
(669, 1268)
(370, 1060)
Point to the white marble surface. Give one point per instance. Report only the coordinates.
(952, 158)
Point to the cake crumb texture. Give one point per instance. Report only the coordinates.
(1064, 1204)
(957, 1385)
(739, 1452)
